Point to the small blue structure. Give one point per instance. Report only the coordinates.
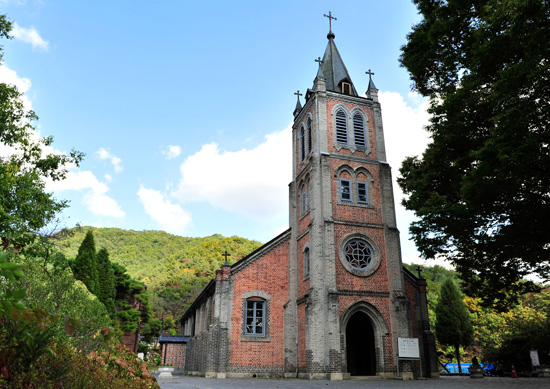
(453, 367)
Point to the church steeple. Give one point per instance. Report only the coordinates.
(332, 67)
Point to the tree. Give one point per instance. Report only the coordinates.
(85, 264)
(25, 164)
(106, 280)
(481, 189)
(453, 326)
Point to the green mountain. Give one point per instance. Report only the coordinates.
(174, 268)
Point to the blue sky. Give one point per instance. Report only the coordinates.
(183, 108)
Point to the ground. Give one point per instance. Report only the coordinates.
(184, 382)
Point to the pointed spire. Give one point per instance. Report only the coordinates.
(320, 71)
(332, 68)
(298, 104)
(372, 91)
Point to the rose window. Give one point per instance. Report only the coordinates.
(359, 254)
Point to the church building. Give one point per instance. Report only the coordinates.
(328, 298)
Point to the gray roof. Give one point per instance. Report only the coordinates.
(333, 68)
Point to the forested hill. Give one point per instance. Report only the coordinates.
(173, 267)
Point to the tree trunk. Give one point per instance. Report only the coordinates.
(457, 348)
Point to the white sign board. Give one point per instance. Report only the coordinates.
(408, 348)
(534, 357)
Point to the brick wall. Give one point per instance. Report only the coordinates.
(173, 354)
(269, 275)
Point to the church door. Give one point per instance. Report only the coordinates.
(360, 345)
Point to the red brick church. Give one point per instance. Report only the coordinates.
(329, 297)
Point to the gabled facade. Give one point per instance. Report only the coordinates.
(329, 297)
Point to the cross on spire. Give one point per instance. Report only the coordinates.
(297, 93)
(370, 73)
(330, 17)
(226, 254)
(319, 60)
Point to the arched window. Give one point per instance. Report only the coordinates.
(303, 202)
(302, 144)
(341, 127)
(359, 130)
(309, 139)
(308, 194)
(306, 262)
(255, 317)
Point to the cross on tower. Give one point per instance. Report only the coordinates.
(319, 60)
(226, 254)
(297, 93)
(330, 17)
(370, 73)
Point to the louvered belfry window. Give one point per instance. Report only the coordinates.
(309, 139)
(341, 127)
(359, 131)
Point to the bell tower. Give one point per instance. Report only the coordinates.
(347, 302)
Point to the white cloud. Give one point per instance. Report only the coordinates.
(170, 217)
(103, 154)
(404, 132)
(10, 77)
(30, 35)
(94, 197)
(108, 178)
(252, 182)
(172, 151)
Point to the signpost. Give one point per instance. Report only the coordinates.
(408, 350)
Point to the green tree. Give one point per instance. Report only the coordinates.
(151, 330)
(24, 203)
(453, 326)
(85, 264)
(481, 188)
(106, 280)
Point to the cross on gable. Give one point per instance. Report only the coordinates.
(330, 18)
(319, 60)
(226, 254)
(418, 268)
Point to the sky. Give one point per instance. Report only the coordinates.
(184, 109)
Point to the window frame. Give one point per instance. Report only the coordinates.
(255, 301)
(359, 201)
(350, 190)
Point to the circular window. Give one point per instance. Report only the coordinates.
(359, 254)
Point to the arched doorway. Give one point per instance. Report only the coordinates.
(361, 356)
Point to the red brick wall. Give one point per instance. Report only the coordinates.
(268, 274)
(173, 354)
(410, 290)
